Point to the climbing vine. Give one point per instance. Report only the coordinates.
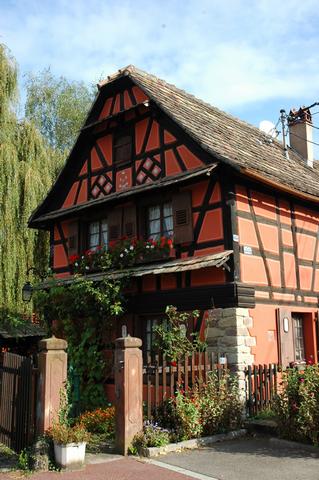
(84, 313)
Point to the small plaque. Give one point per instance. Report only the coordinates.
(235, 238)
(248, 250)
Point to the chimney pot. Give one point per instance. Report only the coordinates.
(300, 133)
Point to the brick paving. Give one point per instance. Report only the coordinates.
(118, 469)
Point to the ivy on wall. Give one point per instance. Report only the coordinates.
(84, 313)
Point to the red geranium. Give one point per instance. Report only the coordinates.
(73, 258)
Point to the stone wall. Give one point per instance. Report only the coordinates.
(228, 335)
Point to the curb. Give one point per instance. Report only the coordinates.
(191, 444)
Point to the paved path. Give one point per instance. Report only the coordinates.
(261, 458)
(115, 469)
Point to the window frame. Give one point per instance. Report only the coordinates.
(100, 221)
(299, 340)
(118, 143)
(161, 205)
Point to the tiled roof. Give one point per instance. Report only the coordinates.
(227, 138)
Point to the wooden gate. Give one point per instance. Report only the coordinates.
(17, 401)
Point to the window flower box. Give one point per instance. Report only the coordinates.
(121, 254)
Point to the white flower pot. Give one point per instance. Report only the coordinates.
(71, 455)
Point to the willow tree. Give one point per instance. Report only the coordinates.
(28, 166)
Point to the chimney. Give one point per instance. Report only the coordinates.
(300, 133)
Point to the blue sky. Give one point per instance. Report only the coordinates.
(249, 58)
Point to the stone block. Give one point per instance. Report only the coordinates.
(248, 322)
(250, 341)
(214, 332)
(244, 312)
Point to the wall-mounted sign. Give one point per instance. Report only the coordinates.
(248, 250)
(235, 238)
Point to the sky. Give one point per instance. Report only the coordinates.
(249, 58)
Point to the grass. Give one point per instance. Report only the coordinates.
(266, 414)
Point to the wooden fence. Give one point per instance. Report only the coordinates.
(18, 380)
(261, 387)
(161, 378)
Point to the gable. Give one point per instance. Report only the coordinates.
(157, 151)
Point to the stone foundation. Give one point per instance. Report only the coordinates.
(228, 336)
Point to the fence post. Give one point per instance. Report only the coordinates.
(52, 361)
(128, 391)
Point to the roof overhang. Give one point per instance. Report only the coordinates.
(280, 186)
(171, 266)
(184, 177)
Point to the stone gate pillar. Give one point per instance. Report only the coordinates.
(128, 391)
(52, 363)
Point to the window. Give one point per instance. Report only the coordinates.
(122, 148)
(97, 234)
(298, 337)
(160, 221)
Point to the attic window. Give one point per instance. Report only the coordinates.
(123, 147)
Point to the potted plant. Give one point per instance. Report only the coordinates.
(69, 440)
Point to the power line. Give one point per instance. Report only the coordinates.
(303, 138)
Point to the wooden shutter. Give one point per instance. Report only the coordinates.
(114, 220)
(182, 217)
(73, 238)
(129, 221)
(285, 338)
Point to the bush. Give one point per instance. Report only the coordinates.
(220, 407)
(213, 408)
(297, 406)
(101, 420)
(151, 436)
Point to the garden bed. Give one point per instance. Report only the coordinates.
(191, 444)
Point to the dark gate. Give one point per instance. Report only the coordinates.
(17, 400)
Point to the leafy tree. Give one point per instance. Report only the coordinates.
(57, 107)
(28, 166)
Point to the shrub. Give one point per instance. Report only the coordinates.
(101, 420)
(297, 405)
(220, 406)
(151, 436)
(213, 408)
(63, 434)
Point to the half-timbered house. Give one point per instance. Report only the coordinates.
(153, 161)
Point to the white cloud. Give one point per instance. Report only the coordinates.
(228, 53)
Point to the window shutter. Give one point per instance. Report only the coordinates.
(285, 337)
(114, 219)
(73, 238)
(182, 215)
(129, 221)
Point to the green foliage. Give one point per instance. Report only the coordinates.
(151, 436)
(84, 313)
(57, 107)
(297, 405)
(220, 406)
(27, 169)
(26, 460)
(212, 408)
(171, 338)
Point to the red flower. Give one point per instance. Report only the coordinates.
(73, 258)
(172, 364)
(88, 252)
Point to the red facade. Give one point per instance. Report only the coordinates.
(134, 171)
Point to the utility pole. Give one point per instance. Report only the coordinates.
(283, 118)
